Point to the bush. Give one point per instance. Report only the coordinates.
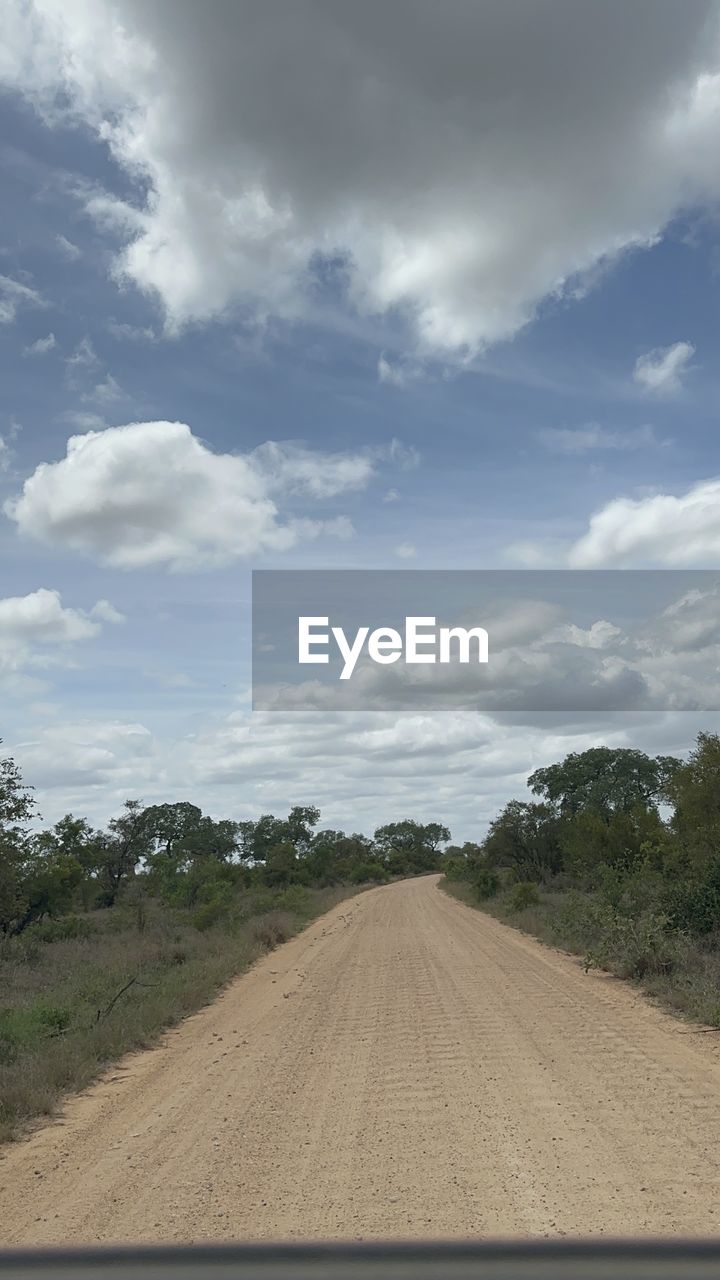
(523, 894)
(636, 948)
(295, 898)
(209, 914)
(367, 871)
(694, 906)
(455, 868)
(60, 930)
(274, 929)
(487, 883)
(22, 1028)
(259, 900)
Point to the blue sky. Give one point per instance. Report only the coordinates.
(464, 363)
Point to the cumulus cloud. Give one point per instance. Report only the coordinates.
(658, 529)
(151, 493)
(34, 627)
(463, 163)
(662, 370)
(106, 612)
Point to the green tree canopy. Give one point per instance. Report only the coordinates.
(604, 779)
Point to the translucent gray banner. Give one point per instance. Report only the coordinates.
(494, 640)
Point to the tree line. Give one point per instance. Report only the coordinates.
(185, 857)
(640, 832)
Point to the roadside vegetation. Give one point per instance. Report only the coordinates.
(109, 936)
(617, 860)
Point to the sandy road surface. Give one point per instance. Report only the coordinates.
(407, 1067)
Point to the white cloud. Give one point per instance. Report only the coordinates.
(658, 529)
(661, 371)
(85, 421)
(106, 612)
(151, 493)
(78, 756)
(405, 456)
(91, 767)
(14, 295)
(465, 162)
(68, 250)
(130, 332)
(292, 468)
(41, 346)
(83, 358)
(406, 551)
(105, 392)
(398, 374)
(578, 440)
(34, 625)
(40, 617)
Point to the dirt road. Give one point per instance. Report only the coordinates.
(407, 1067)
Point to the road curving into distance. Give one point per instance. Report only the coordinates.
(405, 1068)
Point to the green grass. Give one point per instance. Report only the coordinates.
(74, 998)
(681, 972)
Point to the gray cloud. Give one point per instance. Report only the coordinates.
(461, 162)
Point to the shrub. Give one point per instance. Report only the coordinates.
(455, 868)
(274, 929)
(23, 1028)
(695, 906)
(209, 914)
(487, 883)
(295, 898)
(366, 871)
(259, 900)
(60, 930)
(523, 894)
(636, 948)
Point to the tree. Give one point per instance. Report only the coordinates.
(604, 779)
(525, 837)
(280, 864)
(622, 842)
(460, 862)
(409, 847)
(180, 834)
(16, 809)
(128, 841)
(52, 877)
(301, 821)
(333, 855)
(169, 825)
(694, 791)
(256, 839)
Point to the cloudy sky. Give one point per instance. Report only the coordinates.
(319, 284)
